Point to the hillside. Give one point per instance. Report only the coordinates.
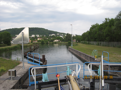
(32, 30)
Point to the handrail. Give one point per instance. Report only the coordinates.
(98, 63)
(104, 56)
(37, 60)
(33, 68)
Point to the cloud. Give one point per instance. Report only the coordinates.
(57, 14)
(78, 26)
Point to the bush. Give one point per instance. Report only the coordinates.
(69, 43)
(2, 69)
(2, 45)
(42, 42)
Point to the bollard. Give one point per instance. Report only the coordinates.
(92, 85)
(43, 58)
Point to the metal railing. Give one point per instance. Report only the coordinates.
(98, 63)
(33, 69)
(34, 61)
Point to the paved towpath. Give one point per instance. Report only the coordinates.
(6, 83)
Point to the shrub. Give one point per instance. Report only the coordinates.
(2, 69)
(2, 45)
(42, 42)
(69, 43)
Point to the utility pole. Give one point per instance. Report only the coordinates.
(71, 37)
(23, 48)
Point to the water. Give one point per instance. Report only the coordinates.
(53, 53)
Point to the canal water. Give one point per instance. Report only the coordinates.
(54, 54)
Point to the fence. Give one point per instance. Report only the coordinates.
(110, 44)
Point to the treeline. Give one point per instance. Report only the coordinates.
(109, 31)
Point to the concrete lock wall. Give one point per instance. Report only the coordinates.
(82, 55)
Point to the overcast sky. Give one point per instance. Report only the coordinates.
(57, 15)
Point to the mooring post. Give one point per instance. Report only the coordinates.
(43, 58)
(92, 85)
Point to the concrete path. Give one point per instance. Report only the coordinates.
(6, 83)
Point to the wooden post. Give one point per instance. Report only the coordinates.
(43, 58)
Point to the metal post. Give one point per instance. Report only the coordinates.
(23, 49)
(91, 72)
(71, 37)
(101, 74)
(11, 74)
(76, 69)
(35, 77)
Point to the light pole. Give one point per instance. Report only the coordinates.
(71, 37)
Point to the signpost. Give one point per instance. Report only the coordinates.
(22, 38)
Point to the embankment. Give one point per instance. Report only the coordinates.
(87, 58)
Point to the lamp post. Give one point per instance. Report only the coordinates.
(71, 37)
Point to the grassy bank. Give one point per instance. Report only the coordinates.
(13, 47)
(6, 64)
(114, 53)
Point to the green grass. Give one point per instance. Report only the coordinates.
(6, 64)
(13, 47)
(114, 53)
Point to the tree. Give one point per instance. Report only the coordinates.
(117, 27)
(6, 38)
(68, 37)
(109, 30)
(0, 38)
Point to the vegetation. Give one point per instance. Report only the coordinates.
(32, 31)
(109, 31)
(13, 47)
(114, 53)
(6, 64)
(5, 38)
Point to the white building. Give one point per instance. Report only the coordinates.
(56, 40)
(51, 34)
(37, 35)
(58, 34)
(33, 36)
(39, 38)
(40, 35)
